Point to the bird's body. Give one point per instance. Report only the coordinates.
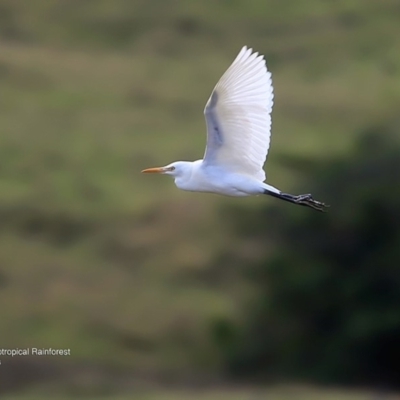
(196, 176)
(238, 117)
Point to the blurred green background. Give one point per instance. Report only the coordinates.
(163, 294)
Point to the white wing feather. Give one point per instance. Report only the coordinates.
(238, 116)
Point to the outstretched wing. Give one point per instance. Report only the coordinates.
(238, 116)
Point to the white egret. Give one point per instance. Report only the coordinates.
(238, 117)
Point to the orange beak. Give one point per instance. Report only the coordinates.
(158, 170)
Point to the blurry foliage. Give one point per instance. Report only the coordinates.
(117, 266)
(328, 299)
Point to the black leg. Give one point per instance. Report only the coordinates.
(302, 200)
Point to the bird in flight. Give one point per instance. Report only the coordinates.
(238, 118)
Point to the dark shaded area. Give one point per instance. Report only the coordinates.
(328, 300)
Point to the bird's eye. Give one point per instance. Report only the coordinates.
(171, 168)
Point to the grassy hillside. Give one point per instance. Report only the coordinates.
(100, 259)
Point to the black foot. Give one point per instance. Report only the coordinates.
(301, 199)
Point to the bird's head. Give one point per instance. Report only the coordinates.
(178, 169)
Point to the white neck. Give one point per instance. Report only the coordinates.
(188, 171)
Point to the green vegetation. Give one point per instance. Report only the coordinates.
(275, 393)
(127, 271)
(328, 308)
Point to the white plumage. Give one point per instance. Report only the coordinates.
(238, 118)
